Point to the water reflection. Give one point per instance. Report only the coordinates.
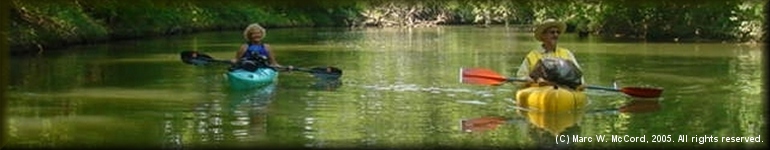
(250, 114)
(544, 128)
(327, 84)
(745, 70)
(632, 105)
(400, 88)
(237, 120)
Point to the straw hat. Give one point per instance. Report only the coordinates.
(546, 24)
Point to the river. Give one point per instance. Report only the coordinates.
(400, 88)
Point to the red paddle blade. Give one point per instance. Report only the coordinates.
(481, 76)
(643, 92)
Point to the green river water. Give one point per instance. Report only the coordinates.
(400, 89)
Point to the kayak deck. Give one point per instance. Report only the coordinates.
(242, 79)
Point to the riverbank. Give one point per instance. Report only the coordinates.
(38, 26)
(45, 25)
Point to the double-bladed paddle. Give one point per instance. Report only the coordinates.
(485, 76)
(199, 59)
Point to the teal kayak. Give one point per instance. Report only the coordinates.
(242, 79)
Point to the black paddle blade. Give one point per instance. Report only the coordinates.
(195, 58)
(326, 72)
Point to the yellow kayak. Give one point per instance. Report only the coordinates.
(550, 98)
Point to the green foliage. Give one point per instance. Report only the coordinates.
(751, 18)
(52, 23)
(665, 20)
(45, 24)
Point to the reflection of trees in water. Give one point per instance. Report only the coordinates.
(237, 120)
(41, 121)
(743, 102)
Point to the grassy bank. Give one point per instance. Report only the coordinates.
(44, 25)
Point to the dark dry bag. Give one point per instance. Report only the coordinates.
(556, 70)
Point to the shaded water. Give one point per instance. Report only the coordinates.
(399, 89)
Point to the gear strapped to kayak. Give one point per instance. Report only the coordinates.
(558, 71)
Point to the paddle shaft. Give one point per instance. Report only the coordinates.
(230, 62)
(222, 61)
(603, 88)
(488, 77)
(525, 80)
(588, 87)
(212, 59)
(497, 78)
(295, 69)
